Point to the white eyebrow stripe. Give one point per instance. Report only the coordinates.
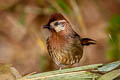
(61, 21)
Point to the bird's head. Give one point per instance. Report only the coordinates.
(56, 23)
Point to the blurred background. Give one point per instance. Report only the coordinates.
(23, 41)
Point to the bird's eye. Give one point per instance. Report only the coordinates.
(56, 24)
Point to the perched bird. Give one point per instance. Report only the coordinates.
(64, 45)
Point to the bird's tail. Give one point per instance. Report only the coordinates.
(87, 41)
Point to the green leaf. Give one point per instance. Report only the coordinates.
(111, 75)
(22, 18)
(64, 6)
(110, 66)
(81, 75)
(66, 74)
(113, 52)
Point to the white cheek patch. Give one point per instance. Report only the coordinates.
(59, 28)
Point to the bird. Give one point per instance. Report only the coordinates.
(64, 45)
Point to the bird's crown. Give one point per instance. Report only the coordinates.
(56, 16)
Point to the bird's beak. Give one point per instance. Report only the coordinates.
(46, 26)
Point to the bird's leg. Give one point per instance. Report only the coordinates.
(60, 68)
(63, 67)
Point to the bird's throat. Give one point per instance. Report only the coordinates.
(58, 40)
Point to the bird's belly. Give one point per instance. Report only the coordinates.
(67, 57)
